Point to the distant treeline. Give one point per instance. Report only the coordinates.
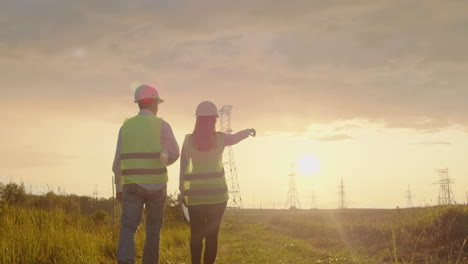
(98, 208)
(15, 194)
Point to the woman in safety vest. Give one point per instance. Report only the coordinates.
(202, 183)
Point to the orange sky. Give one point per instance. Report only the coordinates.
(376, 91)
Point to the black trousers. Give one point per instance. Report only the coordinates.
(205, 220)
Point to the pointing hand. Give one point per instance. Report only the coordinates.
(253, 132)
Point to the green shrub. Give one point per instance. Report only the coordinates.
(13, 193)
(99, 217)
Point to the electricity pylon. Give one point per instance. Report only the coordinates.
(341, 195)
(409, 198)
(467, 197)
(292, 201)
(95, 195)
(313, 203)
(235, 199)
(445, 190)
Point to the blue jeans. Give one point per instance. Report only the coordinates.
(133, 198)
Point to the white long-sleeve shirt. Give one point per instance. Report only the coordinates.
(168, 143)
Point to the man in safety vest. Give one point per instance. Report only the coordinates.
(145, 147)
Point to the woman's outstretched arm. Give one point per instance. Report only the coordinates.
(232, 139)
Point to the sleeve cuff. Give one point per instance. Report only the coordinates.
(246, 133)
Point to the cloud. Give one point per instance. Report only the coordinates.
(345, 127)
(337, 137)
(323, 133)
(282, 64)
(432, 143)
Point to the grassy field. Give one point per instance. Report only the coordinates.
(419, 235)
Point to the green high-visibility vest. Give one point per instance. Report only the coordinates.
(204, 181)
(139, 154)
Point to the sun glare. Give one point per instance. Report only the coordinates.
(307, 164)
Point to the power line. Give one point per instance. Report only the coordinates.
(235, 199)
(264, 204)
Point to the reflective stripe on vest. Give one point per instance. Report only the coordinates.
(139, 155)
(143, 171)
(204, 181)
(205, 192)
(199, 176)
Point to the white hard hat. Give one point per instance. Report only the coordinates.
(146, 92)
(207, 108)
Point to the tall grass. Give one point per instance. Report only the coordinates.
(420, 235)
(38, 236)
(32, 235)
(51, 234)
